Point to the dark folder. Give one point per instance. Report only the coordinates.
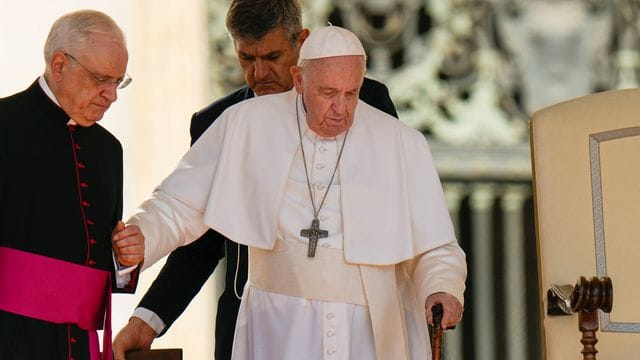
(156, 354)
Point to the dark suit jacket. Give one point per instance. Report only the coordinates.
(60, 196)
(188, 267)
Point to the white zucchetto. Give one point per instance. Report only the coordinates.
(331, 41)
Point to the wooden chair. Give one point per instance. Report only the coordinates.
(586, 175)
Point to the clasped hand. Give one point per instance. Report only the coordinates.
(128, 244)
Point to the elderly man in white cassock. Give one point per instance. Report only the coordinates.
(350, 241)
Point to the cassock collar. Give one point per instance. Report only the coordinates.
(47, 90)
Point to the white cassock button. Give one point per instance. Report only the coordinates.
(331, 316)
(320, 187)
(331, 333)
(323, 217)
(331, 352)
(323, 149)
(326, 245)
(320, 166)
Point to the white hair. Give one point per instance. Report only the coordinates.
(72, 30)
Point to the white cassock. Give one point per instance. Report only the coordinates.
(390, 243)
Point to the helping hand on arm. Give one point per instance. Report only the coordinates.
(128, 244)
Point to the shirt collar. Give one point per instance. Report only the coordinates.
(47, 90)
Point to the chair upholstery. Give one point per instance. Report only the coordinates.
(586, 172)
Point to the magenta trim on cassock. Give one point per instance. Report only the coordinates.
(57, 291)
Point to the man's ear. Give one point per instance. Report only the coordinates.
(57, 64)
(302, 36)
(296, 76)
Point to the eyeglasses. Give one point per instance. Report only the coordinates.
(105, 81)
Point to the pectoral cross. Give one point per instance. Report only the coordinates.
(314, 233)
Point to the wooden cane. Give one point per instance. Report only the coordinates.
(436, 336)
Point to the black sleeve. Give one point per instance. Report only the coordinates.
(129, 288)
(198, 126)
(201, 120)
(182, 276)
(3, 156)
(376, 94)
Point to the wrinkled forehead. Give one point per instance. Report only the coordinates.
(340, 72)
(103, 44)
(103, 54)
(348, 63)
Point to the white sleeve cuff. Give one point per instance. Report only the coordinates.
(151, 318)
(442, 269)
(123, 273)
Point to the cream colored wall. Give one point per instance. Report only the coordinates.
(168, 62)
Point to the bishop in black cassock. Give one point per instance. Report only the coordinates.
(60, 196)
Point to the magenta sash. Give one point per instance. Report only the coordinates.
(57, 291)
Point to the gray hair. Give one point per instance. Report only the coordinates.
(252, 19)
(72, 30)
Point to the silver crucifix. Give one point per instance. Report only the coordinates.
(314, 233)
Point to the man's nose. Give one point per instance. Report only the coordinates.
(111, 92)
(339, 104)
(260, 69)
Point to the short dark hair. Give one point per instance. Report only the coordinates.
(252, 19)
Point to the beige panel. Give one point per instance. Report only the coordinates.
(621, 223)
(169, 64)
(560, 140)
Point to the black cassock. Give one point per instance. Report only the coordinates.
(60, 196)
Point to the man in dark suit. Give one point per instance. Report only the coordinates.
(61, 196)
(267, 36)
